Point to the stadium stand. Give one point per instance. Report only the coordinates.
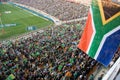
(61, 9)
(46, 55)
(52, 54)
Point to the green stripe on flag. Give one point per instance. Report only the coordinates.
(101, 29)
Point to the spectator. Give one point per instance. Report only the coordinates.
(91, 77)
(100, 77)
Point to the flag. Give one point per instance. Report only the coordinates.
(10, 77)
(101, 36)
(60, 67)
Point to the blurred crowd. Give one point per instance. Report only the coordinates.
(51, 55)
(60, 9)
(116, 56)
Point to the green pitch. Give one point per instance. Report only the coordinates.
(14, 21)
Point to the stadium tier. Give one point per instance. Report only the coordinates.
(61, 9)
(55, 40)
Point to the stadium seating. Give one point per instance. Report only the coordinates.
(58, 8)
(51, 55)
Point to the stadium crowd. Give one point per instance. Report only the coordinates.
(60, 9)
(51, 55)
(116, 56)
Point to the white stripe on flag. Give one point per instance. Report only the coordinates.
(94, 31)
(103, 40)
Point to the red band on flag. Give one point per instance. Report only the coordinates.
(87, 34)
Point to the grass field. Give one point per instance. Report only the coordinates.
(14, 21)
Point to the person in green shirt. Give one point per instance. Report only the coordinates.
(91, 77)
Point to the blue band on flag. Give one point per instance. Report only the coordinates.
(109, 48)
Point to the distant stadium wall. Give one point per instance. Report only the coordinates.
(34, 12)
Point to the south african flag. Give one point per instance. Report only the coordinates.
(101, 35)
